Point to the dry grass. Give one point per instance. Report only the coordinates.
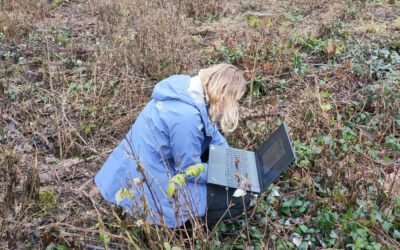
(74, 76)
(155, 45)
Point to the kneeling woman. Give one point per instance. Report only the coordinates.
(171, 134)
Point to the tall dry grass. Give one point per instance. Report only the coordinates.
(95, 74)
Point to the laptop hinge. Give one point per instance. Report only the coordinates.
(259, 167)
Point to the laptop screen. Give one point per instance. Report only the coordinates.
(275, 154)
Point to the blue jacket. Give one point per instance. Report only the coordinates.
(168, 136)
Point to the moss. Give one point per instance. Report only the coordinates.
(47, 199)
(258, 19)
(395, 43)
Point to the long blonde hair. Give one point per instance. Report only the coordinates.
(224, 85)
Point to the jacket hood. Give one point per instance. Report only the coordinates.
(173, 88)
(176, 88)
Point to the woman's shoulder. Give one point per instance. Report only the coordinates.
(176, 106)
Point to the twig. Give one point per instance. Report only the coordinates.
(394, 180)
(52, 90)
(85, 230)
(254, 69)
(219, 221)
(375, 161)
(84, 184)
(85, 160)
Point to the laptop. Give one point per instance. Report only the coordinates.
(251, 171)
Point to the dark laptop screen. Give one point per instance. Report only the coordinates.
(275, 154)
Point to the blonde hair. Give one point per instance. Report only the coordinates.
(224, 85)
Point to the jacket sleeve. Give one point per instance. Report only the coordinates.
(186, 139)
(218, 138)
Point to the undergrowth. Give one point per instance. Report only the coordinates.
(72, 90)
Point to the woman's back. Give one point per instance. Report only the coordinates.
(165, 138)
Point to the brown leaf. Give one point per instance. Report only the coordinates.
(267, 67)
(339, 73)
(389, 169)
(331, 48)
(47, 237)
(274, 102)
(286, 68)
(349, 65)
(247, 75)
(297, 175)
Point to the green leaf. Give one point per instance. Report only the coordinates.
(298, 203)
(288, 203)
(253, 21)
(179, 179)
(386, 226)
(326, 107)
(349, 134)
(195, 170)
(167, 246)
(254, 233)
(396, 234)
(327, 139)
(88, 128)
(201, 167)
(171, 189)
(303, 208)
(122, 194)
(56, 247)
(62, 247)
(348, 124)
(358, 148)
(303, 246)
(358, 69)
(103, 236)
(375, 245)
(333, 234)
(222, 227)
(373, 154)
(393, 142)
(192, 171)
(303, 228)
(377, 215)
(309, 115)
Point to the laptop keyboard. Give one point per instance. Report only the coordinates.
(239, 156)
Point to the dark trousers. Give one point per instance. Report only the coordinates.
(219, 199)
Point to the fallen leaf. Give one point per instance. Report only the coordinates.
(326, 107)
(389, 169)
(349, 65)
(297, 175)
(329, 172)
(274, 102)
(275, 193)
(330, 48)
(339, 73)
(267, 67)
(239, 193)
(296, 241)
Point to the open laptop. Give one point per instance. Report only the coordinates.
(251, 171)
